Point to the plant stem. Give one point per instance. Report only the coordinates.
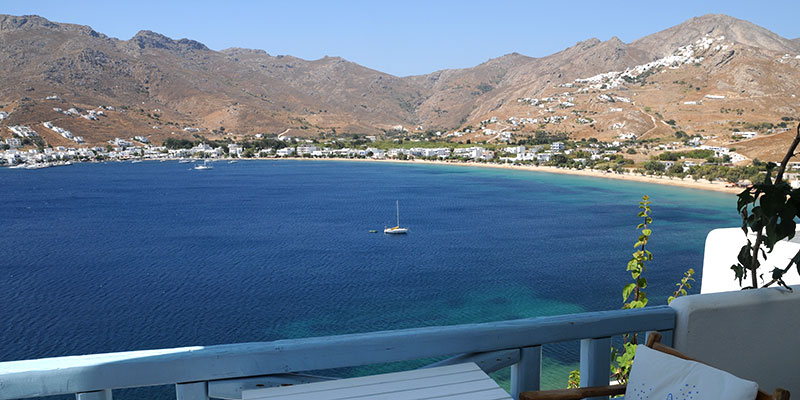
(788, 156)
(754, 262)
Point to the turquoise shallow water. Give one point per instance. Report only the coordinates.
(113, 257)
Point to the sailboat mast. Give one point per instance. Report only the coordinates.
(397, 203)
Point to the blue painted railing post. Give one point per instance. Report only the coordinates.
(526, 374)
(96, 395)
(192, 391)
(666, 337)
(595, 363)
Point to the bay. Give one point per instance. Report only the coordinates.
(119, 256)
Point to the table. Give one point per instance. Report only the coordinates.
(461, 381)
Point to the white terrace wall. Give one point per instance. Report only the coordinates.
(752, 334)
(722, 248)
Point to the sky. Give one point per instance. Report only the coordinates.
(402, 37)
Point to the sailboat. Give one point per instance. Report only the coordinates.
(204, 166)
(397, 229)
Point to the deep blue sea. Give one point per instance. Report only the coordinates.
(119, 256)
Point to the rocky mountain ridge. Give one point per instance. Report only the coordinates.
(159, 86)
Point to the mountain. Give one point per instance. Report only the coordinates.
(715, 25)
(155, 81)
(156, 86)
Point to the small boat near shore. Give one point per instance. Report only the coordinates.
(203, 166)
(38, 166)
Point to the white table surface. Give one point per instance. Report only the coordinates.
(460, 381)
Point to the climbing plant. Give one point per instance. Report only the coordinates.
(622, 359)
(634, 296)
(637, 264)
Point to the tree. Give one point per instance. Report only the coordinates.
(768, 209)
(654, 166)
(676, 170)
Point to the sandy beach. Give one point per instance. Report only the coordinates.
(701, 184)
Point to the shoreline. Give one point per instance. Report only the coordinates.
(700, 184)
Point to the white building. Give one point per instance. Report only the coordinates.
(120, 142)
(23, 131)
(557, 146)
(285, 152)
(515, 149)
(746, 135)
(235, 150)
(307, 149)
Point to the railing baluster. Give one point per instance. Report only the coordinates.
(595, 363)
(96, 395)
(666, 337)
(192, 391)
(526, 374)
(85, 374)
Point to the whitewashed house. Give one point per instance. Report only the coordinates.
(285, 152)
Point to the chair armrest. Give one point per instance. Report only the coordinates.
(779, 394)
(573, 394)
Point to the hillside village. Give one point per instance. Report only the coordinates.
(704, 104)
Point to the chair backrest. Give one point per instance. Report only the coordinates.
(654, 342)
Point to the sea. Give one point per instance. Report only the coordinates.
(119, 256)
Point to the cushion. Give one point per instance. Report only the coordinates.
(660, 376)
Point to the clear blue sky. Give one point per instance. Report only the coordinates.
(401, 37)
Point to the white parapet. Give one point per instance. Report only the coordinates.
(750, 333)
(722, 249)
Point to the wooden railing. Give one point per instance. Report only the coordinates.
(223, 371)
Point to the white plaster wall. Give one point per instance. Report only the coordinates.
(722, 248)
(752, 334)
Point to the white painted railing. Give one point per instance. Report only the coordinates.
(222, 371)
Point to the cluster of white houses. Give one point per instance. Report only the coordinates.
(309, 150)
(63, 132)
(139, 147)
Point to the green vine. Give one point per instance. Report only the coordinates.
(634, 296)
(684, 284)
(637, 264)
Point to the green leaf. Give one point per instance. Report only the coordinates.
(642, 282)
(626, 292)
(646, 232)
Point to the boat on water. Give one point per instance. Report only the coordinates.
(204, 166)
(136, 161)
(397, 229)
(184, 161)
(232, 162)
(38, 165)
